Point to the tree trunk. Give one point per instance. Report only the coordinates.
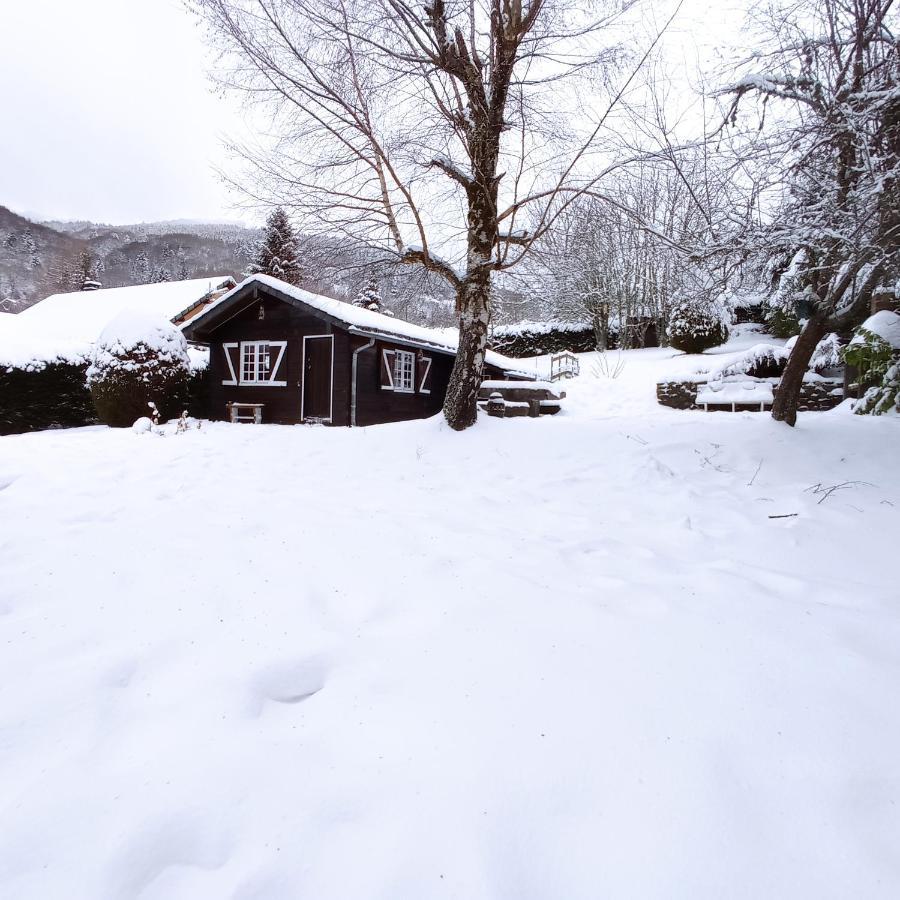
(787, 397)
(601, 331)
(461, 402)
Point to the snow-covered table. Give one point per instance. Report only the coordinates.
(734, 394)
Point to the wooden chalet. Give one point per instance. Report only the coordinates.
(292, 356)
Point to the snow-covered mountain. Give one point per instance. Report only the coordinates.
(42, 258)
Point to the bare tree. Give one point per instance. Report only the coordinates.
(833, 68)
(432, 131)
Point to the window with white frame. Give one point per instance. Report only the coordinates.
(404, 371)
(255, 362)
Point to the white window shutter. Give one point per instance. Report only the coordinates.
(387, 369)
(232, 360)
(424, 366)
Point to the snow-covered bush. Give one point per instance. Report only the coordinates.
(137, 360)
(782, 323)
(827, 354)
(882, 398)
(873, 347)
(760, 361)
(783, 315)
(696, 324)
(875, 353)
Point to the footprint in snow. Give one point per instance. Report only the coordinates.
(288, 683)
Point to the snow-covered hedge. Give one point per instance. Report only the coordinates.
(44, 394)
(538, 338)
(138, 359)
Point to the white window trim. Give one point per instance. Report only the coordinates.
(226, 347)
(388, 367)
(273, 370)
(422, 388)
(330, 418)
(397, 356)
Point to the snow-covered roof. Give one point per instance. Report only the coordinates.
(361, 321)
(80, 316)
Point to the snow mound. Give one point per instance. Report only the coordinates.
(131, 329)
(886, 325)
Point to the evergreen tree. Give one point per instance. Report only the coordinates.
(87, 272)
(370, 297)
(183, 272)
(62, 276)
(140, 268)
(277, 255)
(29, 248)
(169, 259)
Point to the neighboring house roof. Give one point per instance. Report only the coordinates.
(64, 327)
(80, 316)
(354, 319)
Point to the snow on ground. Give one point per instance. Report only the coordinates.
(571, 657)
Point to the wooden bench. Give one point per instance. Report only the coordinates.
(245, 412)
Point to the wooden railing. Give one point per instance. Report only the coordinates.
(564, 365)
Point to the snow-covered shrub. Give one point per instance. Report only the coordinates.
(696, 324)
(874, 352)
(872, 349)
(143, 425)
(760, 361)
(827, 354)
(782, 323)
(783, 315)
(882, 398)
(137, 360)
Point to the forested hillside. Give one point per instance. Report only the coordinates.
(42, 258)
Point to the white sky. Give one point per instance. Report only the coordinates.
(109, 115)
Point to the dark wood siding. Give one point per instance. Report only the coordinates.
(375, 405)
(280, 322)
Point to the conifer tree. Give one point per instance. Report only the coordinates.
(29, 246)
(140, 268)
(277, 255)
(183, 272)
(370, 297)
(87, 272)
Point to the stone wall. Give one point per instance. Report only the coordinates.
(815, 396)
(677, 394)
(819, 396)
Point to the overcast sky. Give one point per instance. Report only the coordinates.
(108, 113)
(109, 116)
